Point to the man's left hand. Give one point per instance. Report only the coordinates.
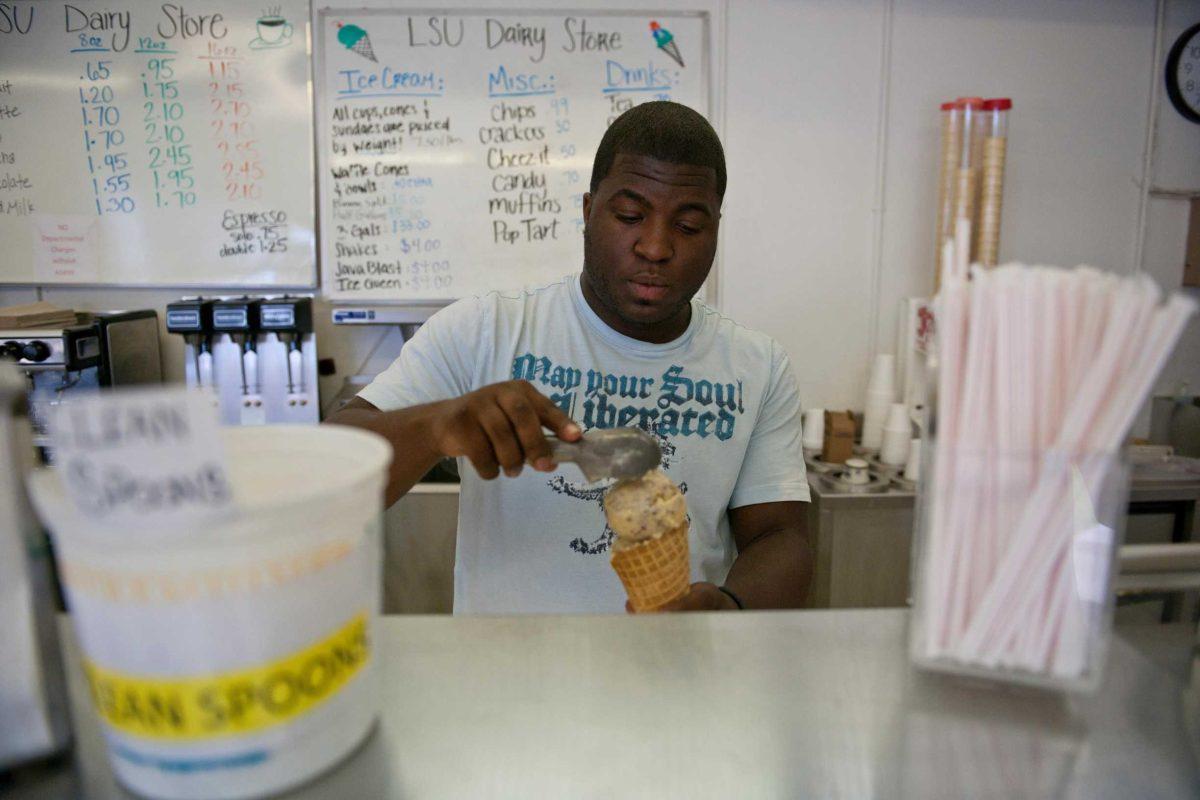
(701, 597)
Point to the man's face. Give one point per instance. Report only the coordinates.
(649, 239)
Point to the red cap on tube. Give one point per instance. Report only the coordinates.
(997, 104)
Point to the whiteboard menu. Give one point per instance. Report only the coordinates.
(454, 148)
(157, 144)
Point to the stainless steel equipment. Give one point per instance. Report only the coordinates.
(106, 349)
(740, 704)
(862, 536)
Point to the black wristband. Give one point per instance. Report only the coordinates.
(737, 600)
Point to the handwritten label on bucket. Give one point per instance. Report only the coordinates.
(142, 458)
(236, 702)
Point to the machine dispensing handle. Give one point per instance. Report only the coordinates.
(204, 369)
(295, 372)
(250, 366)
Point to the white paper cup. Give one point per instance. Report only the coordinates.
(857, 471)
(894, 450)
(912, 469)
(883, 374)
(898, 418)
(235, 660)
(874, 416)
(814, 429)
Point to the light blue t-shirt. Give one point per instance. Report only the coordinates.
(721, 399)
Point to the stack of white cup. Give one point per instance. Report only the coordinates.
(814, 429)
(912, 470)
(881, 393)
(897, 435)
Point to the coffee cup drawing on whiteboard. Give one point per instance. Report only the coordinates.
(273, 31)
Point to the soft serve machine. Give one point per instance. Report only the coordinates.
(257, 355)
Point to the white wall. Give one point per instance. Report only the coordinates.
(801, 119)
(830, 213)
(829, 115)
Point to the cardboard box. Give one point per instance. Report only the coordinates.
(36, 315)
(1191, 262)
(839, 437)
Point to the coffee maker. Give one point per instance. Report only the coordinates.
(257, 355)
(101, 350)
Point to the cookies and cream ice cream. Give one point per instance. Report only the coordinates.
(644, 508)
(650, 553)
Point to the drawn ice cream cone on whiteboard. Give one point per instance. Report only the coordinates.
(355, 38)
(666, 42)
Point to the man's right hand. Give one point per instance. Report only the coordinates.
(499, 427)
(496, 427)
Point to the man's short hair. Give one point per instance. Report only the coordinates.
(664, 131)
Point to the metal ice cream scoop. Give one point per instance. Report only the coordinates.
(621, 453)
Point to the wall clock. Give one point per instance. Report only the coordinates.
(1183, 74)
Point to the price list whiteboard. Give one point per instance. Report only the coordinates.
(454, 148)
(156, 144)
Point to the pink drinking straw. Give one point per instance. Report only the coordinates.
(1029, 361)
(1084, 431)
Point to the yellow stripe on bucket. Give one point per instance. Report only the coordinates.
(229, 703)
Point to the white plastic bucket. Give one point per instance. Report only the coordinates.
(235, 660)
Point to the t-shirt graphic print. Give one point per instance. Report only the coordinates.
(721, 400)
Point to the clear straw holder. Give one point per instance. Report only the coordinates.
(1013, 564)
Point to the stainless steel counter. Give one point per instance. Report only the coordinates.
(862, 544)
(762, 705)
(863, 541)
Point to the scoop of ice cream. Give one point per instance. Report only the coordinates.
(644, 508)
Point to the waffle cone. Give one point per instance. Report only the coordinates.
(655, 571)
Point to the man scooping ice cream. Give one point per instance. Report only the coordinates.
(624, 343)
